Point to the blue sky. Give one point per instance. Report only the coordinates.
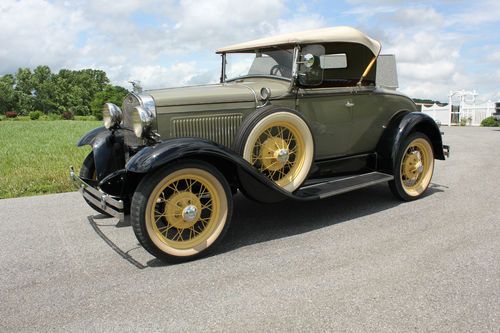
(439, 45)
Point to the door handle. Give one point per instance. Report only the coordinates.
(349, 104)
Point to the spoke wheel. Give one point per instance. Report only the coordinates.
(279, 144)
(180, 212)
(415, 167)
(278, 152)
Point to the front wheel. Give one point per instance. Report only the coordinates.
(178, 213)
(413, 167)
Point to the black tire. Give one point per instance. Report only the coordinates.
(292, 157)
(88, 171)
(415, 151)
(168, 189)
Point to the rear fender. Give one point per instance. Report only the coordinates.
(400, 126)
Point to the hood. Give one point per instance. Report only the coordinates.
(205, 94)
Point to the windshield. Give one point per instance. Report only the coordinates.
(276, 63)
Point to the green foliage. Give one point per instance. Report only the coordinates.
(7, 94)
(51, 144)
(490, 122)
(69, 91)
(85, 118)
(111, 94)
(428, 101)
(464, 121)
(54, 116)
(35, 115)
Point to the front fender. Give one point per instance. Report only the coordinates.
(250, 181)
(90, 137)
(402, 124)
(108, 149)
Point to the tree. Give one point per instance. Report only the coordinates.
(111, 94)
(7, 93)
(66, 91)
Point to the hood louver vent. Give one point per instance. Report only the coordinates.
(220, 129)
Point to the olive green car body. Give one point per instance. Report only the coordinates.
(343, 121)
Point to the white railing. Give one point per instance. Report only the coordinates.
(475, 113)
(467, 114)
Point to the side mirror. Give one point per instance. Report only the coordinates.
(310, 73)
(308, 60)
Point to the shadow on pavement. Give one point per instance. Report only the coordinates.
(254, 223)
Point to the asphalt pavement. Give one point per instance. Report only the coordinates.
(358, 262)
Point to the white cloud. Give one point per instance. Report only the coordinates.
(171, 42)
(113, 36)
(37, 32)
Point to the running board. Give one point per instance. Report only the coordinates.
(336, 186)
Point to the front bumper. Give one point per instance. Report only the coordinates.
(111, 205)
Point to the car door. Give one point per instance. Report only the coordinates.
(329, 113)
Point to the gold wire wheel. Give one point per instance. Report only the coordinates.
(417, 165)
(186, 211)
(278, 152)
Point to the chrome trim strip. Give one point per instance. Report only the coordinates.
(107, 203)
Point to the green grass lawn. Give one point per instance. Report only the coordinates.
(35, 155)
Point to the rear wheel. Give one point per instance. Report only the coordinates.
(87, 171)
(180, 212)
(413, 168)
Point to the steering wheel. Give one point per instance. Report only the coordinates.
(275, 69)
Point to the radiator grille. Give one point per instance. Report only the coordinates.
(220, 129)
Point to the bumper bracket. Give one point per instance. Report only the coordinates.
(111, 205)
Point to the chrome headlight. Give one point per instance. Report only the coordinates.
(111, 115)
(142, 119)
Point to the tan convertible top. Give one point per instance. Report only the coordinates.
(335, 34)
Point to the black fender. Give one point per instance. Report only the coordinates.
(400, 126)
(109, 150)
(249, 180)
(90, 137)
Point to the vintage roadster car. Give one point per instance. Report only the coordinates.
(301, 116)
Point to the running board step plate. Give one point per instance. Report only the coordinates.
(336, 186)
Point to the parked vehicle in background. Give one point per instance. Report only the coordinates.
(301, 116)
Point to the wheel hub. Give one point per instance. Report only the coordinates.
(274, 153)
(189, 213)
(412, 165)
(183, 210)
(281, 155)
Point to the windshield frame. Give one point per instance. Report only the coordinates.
(291, 79)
